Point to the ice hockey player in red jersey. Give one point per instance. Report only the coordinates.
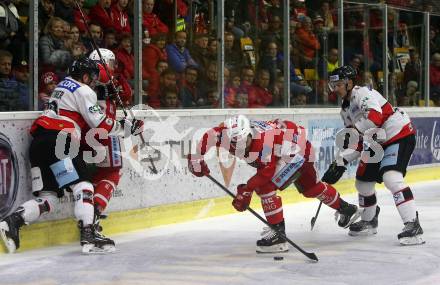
(72, 112)
(280, 152)
(108, 173)
(372, 119)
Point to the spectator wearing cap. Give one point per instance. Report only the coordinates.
(178, 55)
(14, 96)
(100, 13)
(259, 94)
(199, 51)
(64, 10)
(48, 82)
(78, 18)
(125, 58)
(52, 50)
(151, 21)
(307, 41)
(412, 93)
(118, 13)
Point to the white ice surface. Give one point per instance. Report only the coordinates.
(222, 251)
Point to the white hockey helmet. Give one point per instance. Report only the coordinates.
(107, 56)
(238, 128)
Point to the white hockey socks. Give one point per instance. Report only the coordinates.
(83, 197)
(45, 203)
(402, 194)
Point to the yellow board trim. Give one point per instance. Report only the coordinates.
(65, 231)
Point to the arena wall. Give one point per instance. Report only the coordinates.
(144, 198)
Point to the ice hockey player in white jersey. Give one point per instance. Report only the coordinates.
(72, 111)
(382, 129)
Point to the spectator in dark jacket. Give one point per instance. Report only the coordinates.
(178, 55)
(188, 88)
(14, 96)
(64, 10)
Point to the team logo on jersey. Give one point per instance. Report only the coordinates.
(95, 109)
(8, 176)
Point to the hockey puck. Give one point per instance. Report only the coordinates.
(278, 258)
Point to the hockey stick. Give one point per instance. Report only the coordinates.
(310, 255)
(313, 221)
(118, 98)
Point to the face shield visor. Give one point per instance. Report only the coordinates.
(336, 82)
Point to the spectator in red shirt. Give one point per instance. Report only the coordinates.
(151, 54)
(307, 40)
(79, 20)
(101, 14)
(125, 58)
(434, 75)
(118, 13)
(259, 94)
(151, 21)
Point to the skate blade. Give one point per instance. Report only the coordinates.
(364, 233)
(416, 240)
(9, 243)
(282, 247)
(90, 249)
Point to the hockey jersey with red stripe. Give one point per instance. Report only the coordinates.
(73, 105)
(271, 141)
(368, 109)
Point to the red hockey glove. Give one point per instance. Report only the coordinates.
(197, 165)
(243, 198)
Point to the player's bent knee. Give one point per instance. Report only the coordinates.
(393, 181)
(365, 188)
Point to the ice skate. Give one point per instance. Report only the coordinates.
(272, 241)
(411, 233)
(365, 228)
(347, 214)
(10, 231)
(93, 242)
(109, 244)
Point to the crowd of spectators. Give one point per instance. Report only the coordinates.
(180, 66)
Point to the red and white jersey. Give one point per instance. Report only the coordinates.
(368, 109)
(74, 105)
(271, 142)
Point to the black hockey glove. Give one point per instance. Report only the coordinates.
(333, 173)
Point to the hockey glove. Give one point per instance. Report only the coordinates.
(197, 165)
(134, 127)
(333, 173)
(243, 198)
